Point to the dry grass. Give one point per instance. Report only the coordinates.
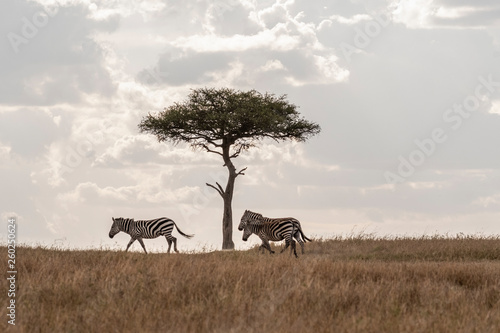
(358, 284)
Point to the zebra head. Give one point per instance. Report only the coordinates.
(115, 228)
(247, 217)
(247, 232)
(248, 220)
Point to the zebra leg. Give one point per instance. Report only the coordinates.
(301, 246)
(169, 241)
(175, 244)
(287, 244)
(297, 237)
(262, 248)
(293, 249)
(265, 244)
(142, 244)
(130, 243)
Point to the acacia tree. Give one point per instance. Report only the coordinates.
(226, 122)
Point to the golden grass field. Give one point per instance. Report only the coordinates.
(354, 284)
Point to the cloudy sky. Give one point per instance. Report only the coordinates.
(407, 93)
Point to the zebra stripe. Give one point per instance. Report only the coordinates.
(146, 229)
(272, 229)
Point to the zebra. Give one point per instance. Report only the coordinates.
(272, 229)
(146, 229)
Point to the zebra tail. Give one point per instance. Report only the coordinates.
(304, 236)
(183, 234)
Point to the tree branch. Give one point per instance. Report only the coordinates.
(241, 146)
(219, 189)
(241, 172)
(238, 151)
(212, 142)
(210, 150)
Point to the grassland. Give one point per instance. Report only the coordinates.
(355, 284)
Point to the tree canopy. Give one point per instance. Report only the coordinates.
(218, 117)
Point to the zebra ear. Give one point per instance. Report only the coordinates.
(113, 219)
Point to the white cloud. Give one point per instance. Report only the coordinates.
(272, 16)
(489, 201)
(495, 107)
(413, 13)
(347, 20)
(294, 48)
(4, 152)
(104, 9)
(88, 191)
(274, 39)
(454, 13)
(272, 65)
(331, 72)
(443, 13)
(149, 189)
(231, 59)
(66, 71)
(144, 150)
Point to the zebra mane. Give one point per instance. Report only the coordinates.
(124, 219)
(257, 218)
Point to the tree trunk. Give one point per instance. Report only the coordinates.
(227, 218)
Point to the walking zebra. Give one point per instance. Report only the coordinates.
(146, 229)
(269, 229)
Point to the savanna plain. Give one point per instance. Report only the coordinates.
(361, 283)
